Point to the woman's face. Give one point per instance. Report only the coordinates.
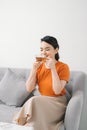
(47, 50)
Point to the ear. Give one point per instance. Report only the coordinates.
(56, 50)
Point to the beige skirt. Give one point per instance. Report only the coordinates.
(42, 112)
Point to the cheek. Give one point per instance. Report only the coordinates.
(52, 54)
(48, 53)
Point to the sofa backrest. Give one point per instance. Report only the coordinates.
(76, 82)
(19, 71)
(2, 72)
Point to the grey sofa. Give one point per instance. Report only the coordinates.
(13, 95)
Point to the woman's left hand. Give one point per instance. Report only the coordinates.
(50, 63)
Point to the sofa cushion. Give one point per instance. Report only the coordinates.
(12, 89)
(2, 72)
(7, 113)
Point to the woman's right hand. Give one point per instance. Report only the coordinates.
(31, 82)
(36, 64)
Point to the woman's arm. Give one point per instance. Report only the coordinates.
(57, 84)
(31, 82)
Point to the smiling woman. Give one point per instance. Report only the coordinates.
(51, 77)
(52, 47)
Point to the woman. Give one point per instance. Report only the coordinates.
(45, 112)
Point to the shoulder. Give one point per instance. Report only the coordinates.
(63, 70)
(61, 65)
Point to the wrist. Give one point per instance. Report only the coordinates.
(34, 70)
(53, 69)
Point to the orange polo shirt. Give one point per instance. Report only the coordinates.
(44, 78)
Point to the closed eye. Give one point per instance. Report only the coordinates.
(47, 49)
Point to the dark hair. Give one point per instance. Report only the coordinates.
(52, 41)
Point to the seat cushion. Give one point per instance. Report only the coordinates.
(7, 112)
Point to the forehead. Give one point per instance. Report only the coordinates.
(45, 45)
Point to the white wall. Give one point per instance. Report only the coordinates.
(24, 22)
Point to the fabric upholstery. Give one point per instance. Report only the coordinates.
(76, 112)
(76, 88)
(7, 112)
(12, 89)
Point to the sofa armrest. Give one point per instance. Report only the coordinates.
(73, 111)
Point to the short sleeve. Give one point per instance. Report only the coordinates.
(64, 72)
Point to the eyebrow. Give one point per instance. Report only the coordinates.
(45, 48)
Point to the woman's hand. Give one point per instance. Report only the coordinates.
(50, 63)
(36, 65)
(31, 82)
